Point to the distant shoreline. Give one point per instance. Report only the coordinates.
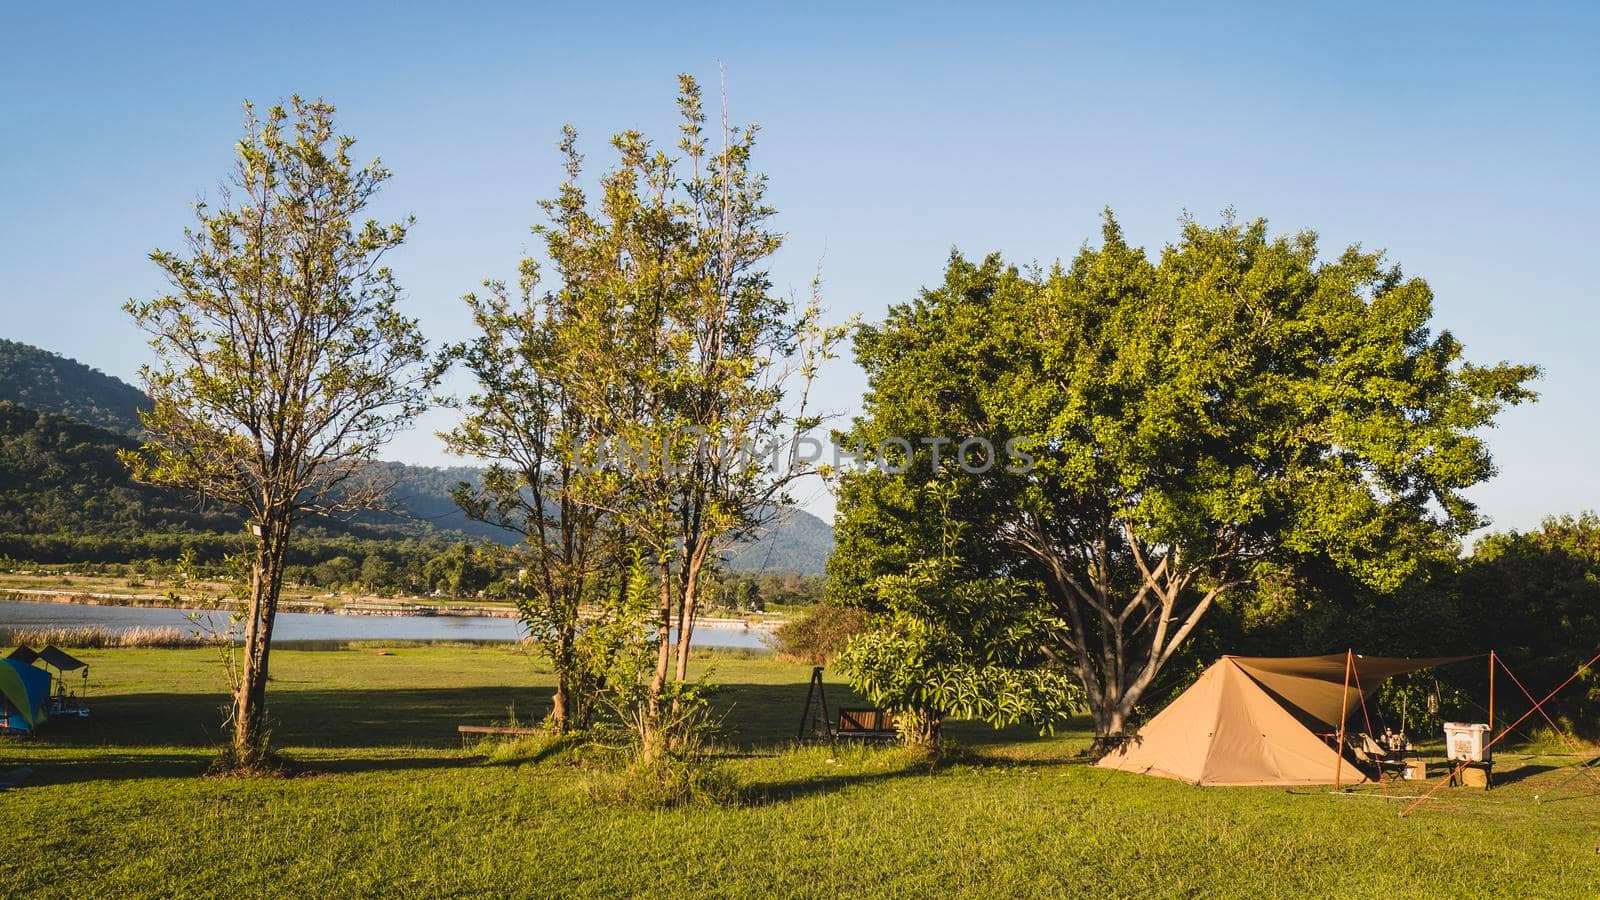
(356, 608)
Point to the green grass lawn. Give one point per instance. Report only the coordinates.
(391, 803)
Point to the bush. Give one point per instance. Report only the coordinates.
(820, 633)
(664, 783)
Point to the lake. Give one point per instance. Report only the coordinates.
(315, 627)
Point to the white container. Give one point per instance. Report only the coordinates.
(1465, 742)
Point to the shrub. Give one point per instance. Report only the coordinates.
(818, 634)
(663, 783)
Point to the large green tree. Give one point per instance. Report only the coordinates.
(284, 361)
(1177, 427)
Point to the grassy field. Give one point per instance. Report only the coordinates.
(392, 803)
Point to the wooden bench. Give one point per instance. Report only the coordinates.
(866, 725)
(853, 724)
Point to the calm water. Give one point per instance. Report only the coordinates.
(313, 627)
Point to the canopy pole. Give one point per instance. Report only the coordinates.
(1509, 728)
(1344, 704)
(1491, 693)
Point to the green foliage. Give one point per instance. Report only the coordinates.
(340, 571)
(618, 650)
(951, 643)
(1183, 425)
(285, 362)
(378, 574)
(912, 667)
(817, 635)
(463, 570)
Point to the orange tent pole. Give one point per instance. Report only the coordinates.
(1549, 721)
(1344, 704)
(1509, 728)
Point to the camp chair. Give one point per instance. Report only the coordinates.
(1387, 756)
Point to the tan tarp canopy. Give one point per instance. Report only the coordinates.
(1315, 684)
(1243, 722)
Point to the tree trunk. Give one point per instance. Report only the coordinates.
(687, 606)
(1110, 727)
(564, 662)
(650, 730)
(558, 704)
(250, 703)
(1120, 641)
(920, 726)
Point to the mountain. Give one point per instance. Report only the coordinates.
(795, 541)
(46, 382)
(62, 423)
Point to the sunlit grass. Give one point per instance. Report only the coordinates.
(390, 800)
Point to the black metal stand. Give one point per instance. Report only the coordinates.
(822, 722)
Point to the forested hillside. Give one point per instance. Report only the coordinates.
(40, 380)
(62, 423)
(796, 541)
(58, 475)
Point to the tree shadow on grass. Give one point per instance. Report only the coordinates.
(317, 719)
(141, 767)
(102, 766)
(754, 715)
(774, 793)
(1507, 777)
(769, 793)
(758, 718)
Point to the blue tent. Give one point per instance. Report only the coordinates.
(24, 696)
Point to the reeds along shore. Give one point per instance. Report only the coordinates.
(96, 637)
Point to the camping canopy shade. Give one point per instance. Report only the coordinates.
(1231, 728)
(60, 659)
(26, 691)
(23, 654)
(1315, 685)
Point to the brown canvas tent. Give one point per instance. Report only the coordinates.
(1250, 721)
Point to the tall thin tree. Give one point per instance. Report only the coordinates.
(533, 431)
(284, 362)
(692, 369)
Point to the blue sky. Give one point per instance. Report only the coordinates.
(1462, 139)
